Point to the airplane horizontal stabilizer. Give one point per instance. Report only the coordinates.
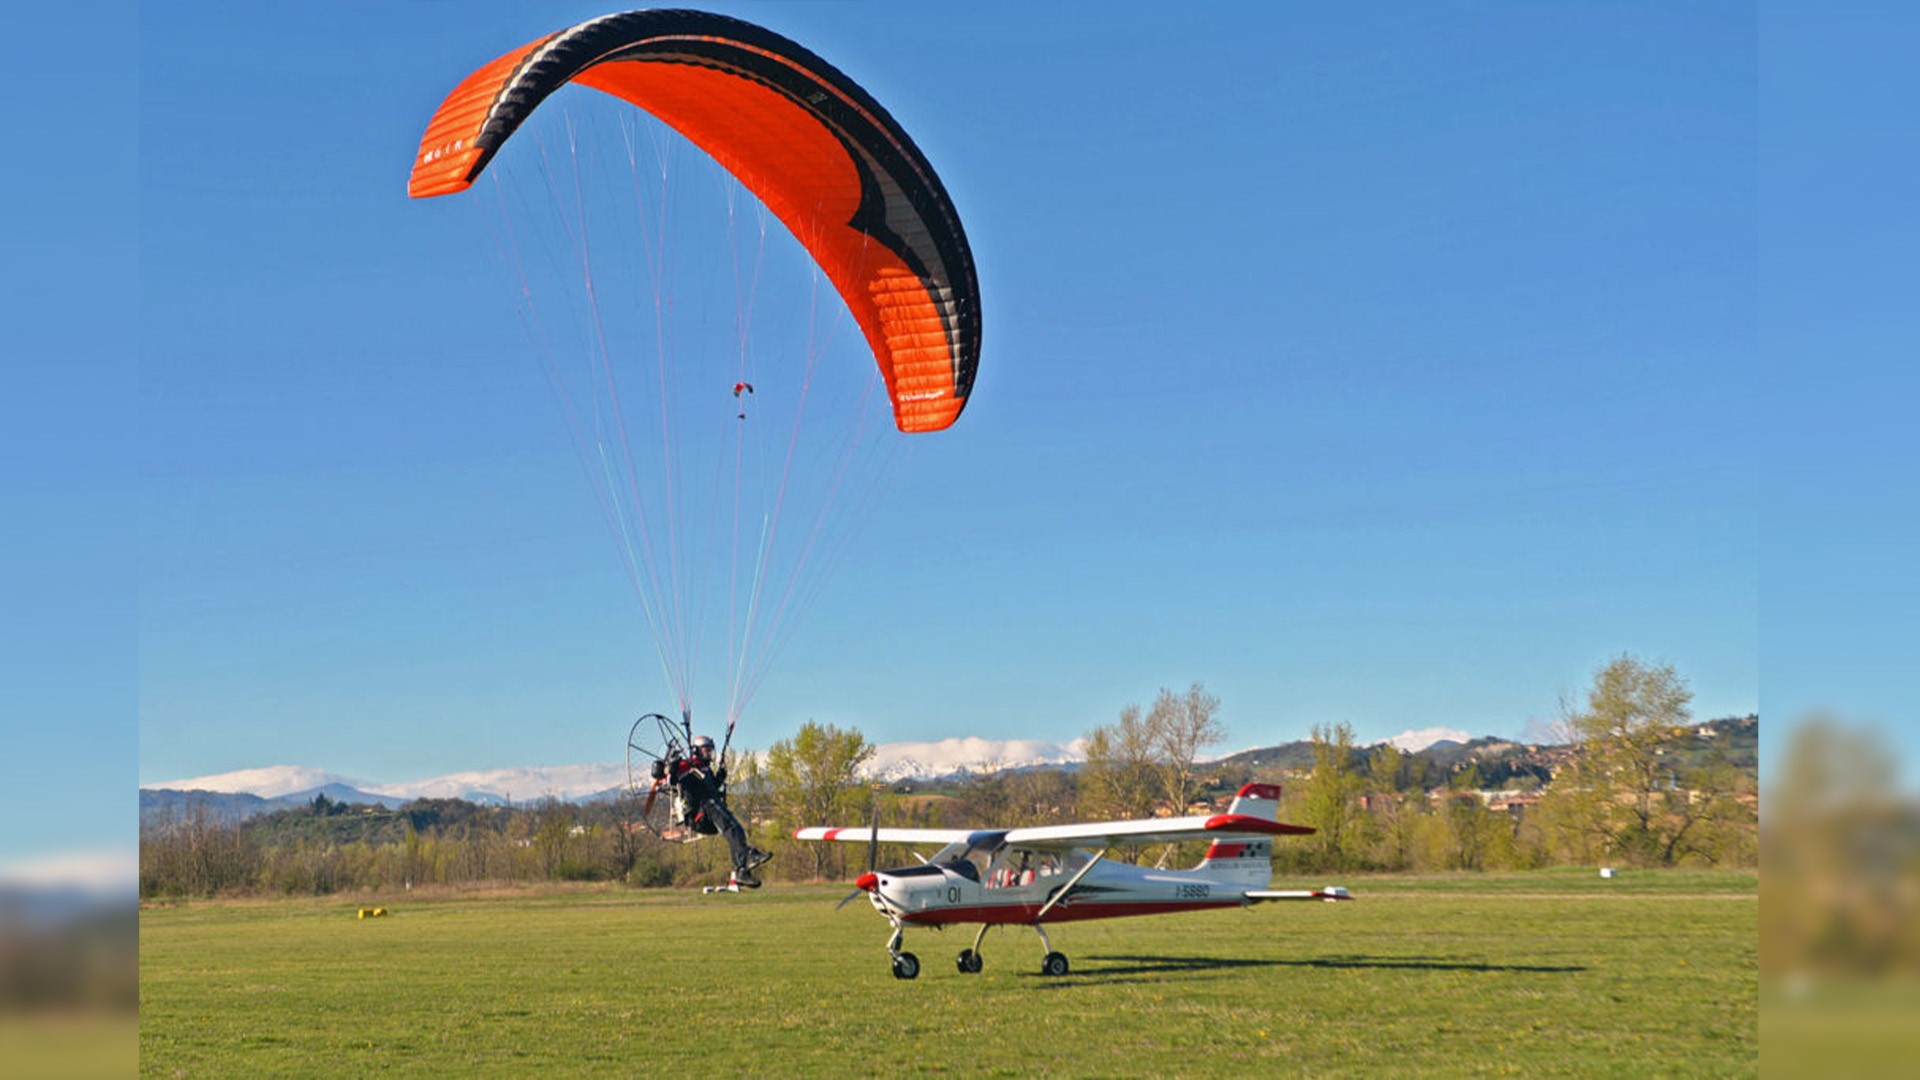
(1330, 894)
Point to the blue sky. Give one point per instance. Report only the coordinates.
(1838, 339)
(68, 577)
(1385, 369)
(1396, 367)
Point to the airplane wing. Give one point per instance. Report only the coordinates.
(1148, 831)
(860, 834)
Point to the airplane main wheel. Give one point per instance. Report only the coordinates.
(969, 962)
(1055, 964)
(906, 966)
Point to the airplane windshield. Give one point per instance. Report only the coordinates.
(964, 867)
(969, 860)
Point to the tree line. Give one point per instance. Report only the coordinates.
(327, 847)
(1631, 793)
(1626, 796)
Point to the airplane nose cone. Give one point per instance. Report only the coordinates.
(867, 882)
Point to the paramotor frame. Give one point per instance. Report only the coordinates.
(654, 743)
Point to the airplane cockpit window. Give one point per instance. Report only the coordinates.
(1012, 869)
(1015, 867)
(1074, 860)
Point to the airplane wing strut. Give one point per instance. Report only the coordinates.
(1068, 887)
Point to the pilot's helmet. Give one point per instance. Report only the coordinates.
(702, 746)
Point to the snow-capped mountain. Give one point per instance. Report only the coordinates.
(891, 762)
(523, 784)
(1416, 741)
(569, 782)
(271, 782)
(894, 762)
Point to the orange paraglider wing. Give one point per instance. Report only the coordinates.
(820, 152)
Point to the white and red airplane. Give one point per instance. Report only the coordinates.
(1057, 873)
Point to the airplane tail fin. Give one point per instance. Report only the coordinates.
(1245, 860)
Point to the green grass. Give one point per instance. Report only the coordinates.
(1544, 973)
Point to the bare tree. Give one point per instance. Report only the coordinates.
(1041, 797)
(1180, 726)
(553, 829)
(1009, 797)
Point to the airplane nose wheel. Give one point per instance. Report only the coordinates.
(905, 964)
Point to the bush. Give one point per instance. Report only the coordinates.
(649, 872)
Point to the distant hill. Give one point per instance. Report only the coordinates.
(1733, 740)
(159, 805)
(1293, 755)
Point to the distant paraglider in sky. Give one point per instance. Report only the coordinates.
(666, 276)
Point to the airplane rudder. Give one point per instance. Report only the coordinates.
(1257, 800)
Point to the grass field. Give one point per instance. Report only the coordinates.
(1556, 972)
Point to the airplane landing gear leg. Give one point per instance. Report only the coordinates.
(970, 958)
(905, 964)
(1054, 963)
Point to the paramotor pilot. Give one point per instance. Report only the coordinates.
(703, 791)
